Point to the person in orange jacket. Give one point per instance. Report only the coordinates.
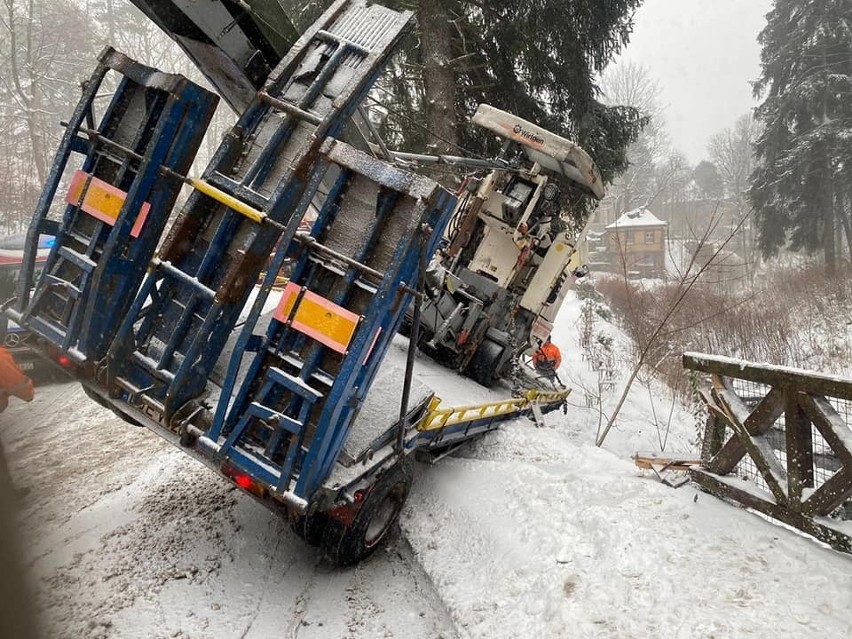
(16, 611)
(547, 358)
(13, 381)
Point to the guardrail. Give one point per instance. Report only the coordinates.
(779, 440)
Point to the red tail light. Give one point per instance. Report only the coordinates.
(243, 481)
(64, 361)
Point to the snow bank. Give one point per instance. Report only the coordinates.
(537, 533)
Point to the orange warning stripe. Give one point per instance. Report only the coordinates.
(102, 200)
(318, 318)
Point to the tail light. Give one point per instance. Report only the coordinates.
(244, 480)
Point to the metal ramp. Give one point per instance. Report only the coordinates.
(346, 295)
(256, 188)
(443, 425)
(116, 207)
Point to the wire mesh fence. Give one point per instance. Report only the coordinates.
(825, 461)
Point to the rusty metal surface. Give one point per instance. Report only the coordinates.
(141, 74)
(234, 44)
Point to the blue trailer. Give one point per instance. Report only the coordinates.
(312, 406)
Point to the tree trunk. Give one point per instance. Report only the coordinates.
(27, 95)
(829, 237)
(439, 81)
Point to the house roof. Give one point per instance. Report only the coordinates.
(637, 217)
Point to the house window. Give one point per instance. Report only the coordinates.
(649, 237)
(630, 238)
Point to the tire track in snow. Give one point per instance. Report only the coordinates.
(131, 538)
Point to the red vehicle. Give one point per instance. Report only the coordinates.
(17, 340)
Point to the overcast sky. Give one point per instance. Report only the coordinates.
(704, 54)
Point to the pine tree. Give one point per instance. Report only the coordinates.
(538, 59)
(801, 188)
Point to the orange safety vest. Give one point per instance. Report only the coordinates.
(13, 381)
(547, 357)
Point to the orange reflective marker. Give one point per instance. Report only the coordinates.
(102, 200)
(318, 318)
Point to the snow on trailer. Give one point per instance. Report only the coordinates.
(273, 403)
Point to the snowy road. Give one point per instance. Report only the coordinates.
(527, 533)
(131, 538)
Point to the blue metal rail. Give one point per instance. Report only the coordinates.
(271, 161)
(303, 389)
(117, 205)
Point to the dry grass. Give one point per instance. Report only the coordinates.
(793, 316)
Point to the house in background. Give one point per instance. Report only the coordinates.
(636, 243)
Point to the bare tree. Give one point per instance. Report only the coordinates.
(43, 47)
(732, 152)
(631, 84)
(47, 48)
(651, 347)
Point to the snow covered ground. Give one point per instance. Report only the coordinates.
(128, 537)
(538, 533)
(526, 533)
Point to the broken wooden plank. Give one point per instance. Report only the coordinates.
(650, 462)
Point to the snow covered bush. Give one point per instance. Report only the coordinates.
(795, 316)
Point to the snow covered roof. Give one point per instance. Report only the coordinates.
(637, 217)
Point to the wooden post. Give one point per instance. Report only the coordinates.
(714, 437)
(800, 449)
(803, 398)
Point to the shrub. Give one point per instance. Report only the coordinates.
(793, 316)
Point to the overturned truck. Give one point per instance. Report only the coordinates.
(300, 394)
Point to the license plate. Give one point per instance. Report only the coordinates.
(27, 366)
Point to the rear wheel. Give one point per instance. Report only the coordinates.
(483, 366)
(311, 528)
(345, 544)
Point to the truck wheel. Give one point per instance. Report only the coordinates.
(482, 367)
(347, 545)
(310, 528)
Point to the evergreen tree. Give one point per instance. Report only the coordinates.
(801, 187)
(707, 178)
(538, 59)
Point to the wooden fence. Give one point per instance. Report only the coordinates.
(779, 440)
